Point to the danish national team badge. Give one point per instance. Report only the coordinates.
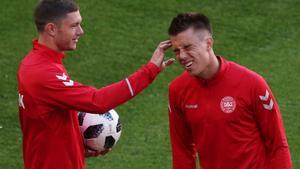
(228, 104)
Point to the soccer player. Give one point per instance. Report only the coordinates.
(218, 109)
(49, 99)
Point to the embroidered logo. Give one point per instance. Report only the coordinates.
(228, 104)
(64, 79)
(265, 98)
(191, 106)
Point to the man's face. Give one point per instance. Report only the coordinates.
(192, 50)
(68, 31)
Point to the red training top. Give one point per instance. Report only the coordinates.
(48, 101)
(232, 120)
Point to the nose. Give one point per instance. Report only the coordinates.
(80, 30)
(182, 56)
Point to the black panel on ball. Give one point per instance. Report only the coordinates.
(109, 142)
(93, 131)
(81, 117)
(119, 126)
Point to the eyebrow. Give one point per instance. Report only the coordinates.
(77, 22)
(187, 46)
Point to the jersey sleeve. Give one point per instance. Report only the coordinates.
(183, 147)
(271, 127)
(58, 90)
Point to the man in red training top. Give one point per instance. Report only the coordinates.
(218, 109)
(49, 99)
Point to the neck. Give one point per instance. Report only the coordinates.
(212, 68)
(48, 41)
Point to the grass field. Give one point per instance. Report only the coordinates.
(120, 36)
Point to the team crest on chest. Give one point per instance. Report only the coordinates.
(228, 104)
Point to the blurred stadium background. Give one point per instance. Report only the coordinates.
(121, 35)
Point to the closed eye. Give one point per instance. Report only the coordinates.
(187, 47)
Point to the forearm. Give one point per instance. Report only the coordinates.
(113, 95)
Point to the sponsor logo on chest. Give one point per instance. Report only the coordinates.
(191, 106)
(228, 104)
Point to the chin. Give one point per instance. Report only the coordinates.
(72, 47)
(67, 48)
(193, 73)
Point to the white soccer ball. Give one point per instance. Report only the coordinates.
(100, 131)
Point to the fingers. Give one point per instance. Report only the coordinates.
(92, 153)
(105, 151)
(165, 45)
(158, 55)
(169, 62)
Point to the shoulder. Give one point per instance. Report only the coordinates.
(246, 79)
(34, 57)
(38, 74)
(244, 74)
(181, 81)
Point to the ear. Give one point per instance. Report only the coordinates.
(210, 43)
(51, 29)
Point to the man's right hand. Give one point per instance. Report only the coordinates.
(91, 153)
(158, 55)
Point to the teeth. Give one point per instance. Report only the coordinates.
(188, 64)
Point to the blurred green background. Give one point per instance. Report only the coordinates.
(120, 36)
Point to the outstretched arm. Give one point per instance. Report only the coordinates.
(56, 87)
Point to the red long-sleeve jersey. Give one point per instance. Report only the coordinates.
(48, 101)
(231, 120)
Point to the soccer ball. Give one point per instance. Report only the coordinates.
(100, 131)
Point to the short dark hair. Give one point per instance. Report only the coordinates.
(187, 20)
(51, 11)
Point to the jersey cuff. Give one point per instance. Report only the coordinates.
(153, 69)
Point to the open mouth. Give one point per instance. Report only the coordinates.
(76, 39)
(188, 65)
